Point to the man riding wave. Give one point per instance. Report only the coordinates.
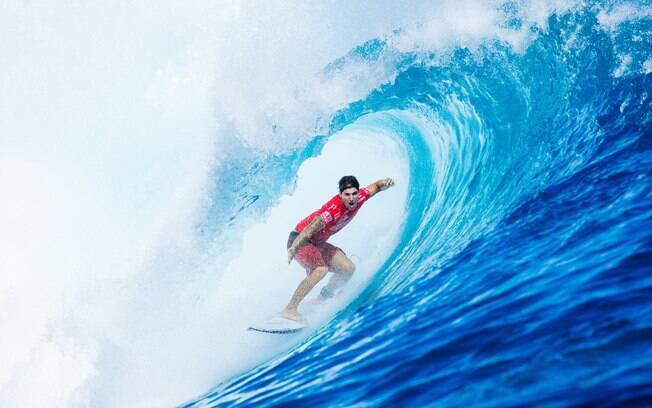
(307, 242)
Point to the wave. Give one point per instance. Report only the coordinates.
(493, 263)
(154, 168)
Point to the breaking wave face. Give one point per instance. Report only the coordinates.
(153, 161)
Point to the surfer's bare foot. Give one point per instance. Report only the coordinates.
(292, 315)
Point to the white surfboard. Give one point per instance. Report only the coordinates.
(278, 325)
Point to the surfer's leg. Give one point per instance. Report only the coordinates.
(302, 290)
(343, 269)
(311, 258)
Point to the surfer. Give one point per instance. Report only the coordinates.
(307, 242)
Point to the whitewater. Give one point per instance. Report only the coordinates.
(154, 157)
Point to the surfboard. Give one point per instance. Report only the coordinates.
(278, 325)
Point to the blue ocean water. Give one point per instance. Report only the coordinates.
(522, 274)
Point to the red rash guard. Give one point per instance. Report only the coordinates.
(334, 214)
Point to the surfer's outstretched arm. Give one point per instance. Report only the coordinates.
(380, 185)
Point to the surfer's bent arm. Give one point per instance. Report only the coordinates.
(317, 224)
(379, 185)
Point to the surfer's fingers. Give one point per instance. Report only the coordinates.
(388, 182)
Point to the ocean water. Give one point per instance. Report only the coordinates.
(155, 158)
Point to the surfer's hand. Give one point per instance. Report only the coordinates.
(387, 183)
(291, 252)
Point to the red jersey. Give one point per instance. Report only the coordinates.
(334, 214)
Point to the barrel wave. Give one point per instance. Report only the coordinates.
(520, 273)
(153, 161)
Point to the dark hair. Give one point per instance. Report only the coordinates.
(348, 182)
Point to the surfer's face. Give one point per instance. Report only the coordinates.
(350, 197)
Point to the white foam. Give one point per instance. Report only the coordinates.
(647, 66)
(621, 13)
(102, 166)
(470, 23)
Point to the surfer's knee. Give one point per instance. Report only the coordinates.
(348, 269)
(343, 266)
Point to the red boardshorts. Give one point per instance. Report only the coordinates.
(312, 255)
